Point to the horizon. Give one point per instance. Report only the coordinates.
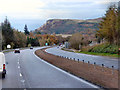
(37, 12)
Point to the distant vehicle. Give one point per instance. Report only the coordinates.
(31, 47)
(2, 65)
(17, 51)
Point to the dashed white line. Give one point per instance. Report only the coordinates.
(18, 63)
(18, 66)
(22, 81)
(20, 75)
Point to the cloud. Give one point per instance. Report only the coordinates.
(34, 10)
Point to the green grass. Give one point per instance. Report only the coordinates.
(94, 53)
(100, 54)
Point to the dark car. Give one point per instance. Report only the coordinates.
(17, 51)
(31, 47)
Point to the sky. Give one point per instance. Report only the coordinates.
(35, 13)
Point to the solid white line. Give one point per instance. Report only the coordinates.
(94, 86)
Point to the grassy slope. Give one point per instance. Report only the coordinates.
(100, 54)
(101, 50)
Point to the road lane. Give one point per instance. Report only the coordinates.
(12, 77)
(25, 70)
(108, 62)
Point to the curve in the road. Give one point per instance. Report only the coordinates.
(108, 62)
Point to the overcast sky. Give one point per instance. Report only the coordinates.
(34, 13)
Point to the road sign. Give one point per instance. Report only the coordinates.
(8, 46)
(46, 44)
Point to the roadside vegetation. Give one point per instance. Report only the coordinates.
(18, 39)
(106, 39)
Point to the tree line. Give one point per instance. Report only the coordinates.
(18, 39)
(11, 36)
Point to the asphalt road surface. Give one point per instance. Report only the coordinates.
(107, 61)
(26, 70)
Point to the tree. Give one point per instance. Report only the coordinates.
(118, 23)
(19, 40)
(26, 30)
(7, 32)
(107, 29)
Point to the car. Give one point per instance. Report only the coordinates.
(17, 51)
(2, 65)
(31, 47)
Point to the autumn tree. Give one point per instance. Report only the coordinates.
(107, 29)
(19, 40)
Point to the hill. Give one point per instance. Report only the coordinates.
(69, 26)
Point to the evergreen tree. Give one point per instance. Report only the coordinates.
(7, 32)
(26, 30)
(107, 27)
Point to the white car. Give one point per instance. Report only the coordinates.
(2, 65)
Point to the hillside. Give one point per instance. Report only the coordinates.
(69, 26)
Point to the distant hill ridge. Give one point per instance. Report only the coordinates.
(69, 26)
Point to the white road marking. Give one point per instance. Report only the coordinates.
(22, 81)
(20, 75)
(18, 63)
(18, 66)
(94, 86)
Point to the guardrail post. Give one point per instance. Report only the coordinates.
(94, 65)
(102, 67)
(88, 62)
(83, 61)
(74, 59)
(112, 69)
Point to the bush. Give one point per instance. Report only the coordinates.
(102, 48)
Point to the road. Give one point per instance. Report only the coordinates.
(26, 70)
(107, 61)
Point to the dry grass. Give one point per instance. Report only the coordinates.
(95, 74)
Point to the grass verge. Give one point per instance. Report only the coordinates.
(100, 54)
(93, 53)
